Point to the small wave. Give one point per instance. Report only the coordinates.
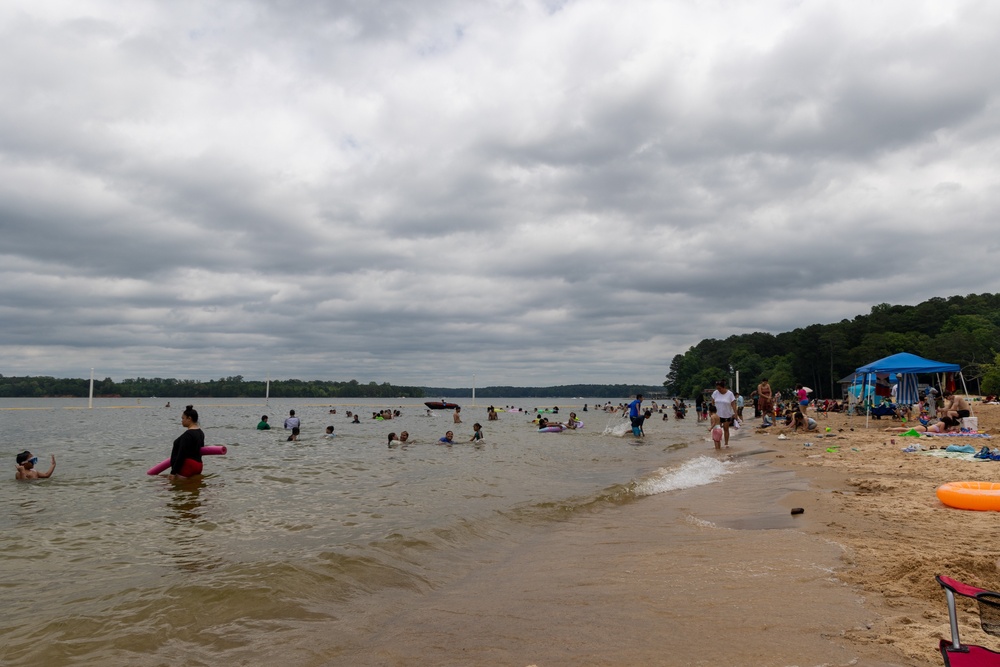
(696, 472)
(619, 429)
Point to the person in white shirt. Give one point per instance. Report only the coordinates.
(725, 406)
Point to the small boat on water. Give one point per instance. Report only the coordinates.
(440, 405)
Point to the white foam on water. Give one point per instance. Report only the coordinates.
(619, 429)
(696, 472)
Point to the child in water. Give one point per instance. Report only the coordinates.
(295, 434)
(25, 465)
(329, 432)
(478, 435)
(715, 425)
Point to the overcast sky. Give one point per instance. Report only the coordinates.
(531, 192)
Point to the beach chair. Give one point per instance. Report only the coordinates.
(954, 652)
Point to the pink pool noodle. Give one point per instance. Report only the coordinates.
(210, 450)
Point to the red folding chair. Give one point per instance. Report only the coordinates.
(955, 653)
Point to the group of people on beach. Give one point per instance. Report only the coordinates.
(950, 417)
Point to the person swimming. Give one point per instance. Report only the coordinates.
(25, 466)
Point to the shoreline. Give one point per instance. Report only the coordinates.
(706, 576)
(702, 577)
(878, 502)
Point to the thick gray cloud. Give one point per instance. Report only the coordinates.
(533, 192)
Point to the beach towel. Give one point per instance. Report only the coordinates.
(943, 454)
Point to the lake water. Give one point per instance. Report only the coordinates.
(304, 553)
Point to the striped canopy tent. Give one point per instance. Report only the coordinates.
(907, 366)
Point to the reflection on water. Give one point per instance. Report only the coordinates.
(116, 567)
(185, 501)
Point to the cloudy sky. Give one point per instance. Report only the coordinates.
(532, 192)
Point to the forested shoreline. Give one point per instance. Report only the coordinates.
(238, 387)
(963, 330)
(228, 387)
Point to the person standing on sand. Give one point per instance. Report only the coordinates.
(802, 398)
(764, 398)
(725, 405)
(931, 402)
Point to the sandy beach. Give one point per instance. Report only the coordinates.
(878, 502)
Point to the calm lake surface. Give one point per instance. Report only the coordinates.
(288, 552)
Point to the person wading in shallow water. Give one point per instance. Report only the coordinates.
(185, 457)
(725, 405)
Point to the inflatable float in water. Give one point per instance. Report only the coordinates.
(551, 429)
(981, 496)
(214, 450)
(441, 405)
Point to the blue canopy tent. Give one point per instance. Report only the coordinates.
(907, 366)
(865, 383)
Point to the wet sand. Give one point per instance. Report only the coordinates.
(715, 575)
(724, 574)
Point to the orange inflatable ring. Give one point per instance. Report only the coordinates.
(983, 496)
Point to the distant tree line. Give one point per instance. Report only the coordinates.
(963, 330)
(236, 387)
(229, 387)
(609, 391)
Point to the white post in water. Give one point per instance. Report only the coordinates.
(473, 390)
(267, 391)
(90, 401)
(737, 382)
